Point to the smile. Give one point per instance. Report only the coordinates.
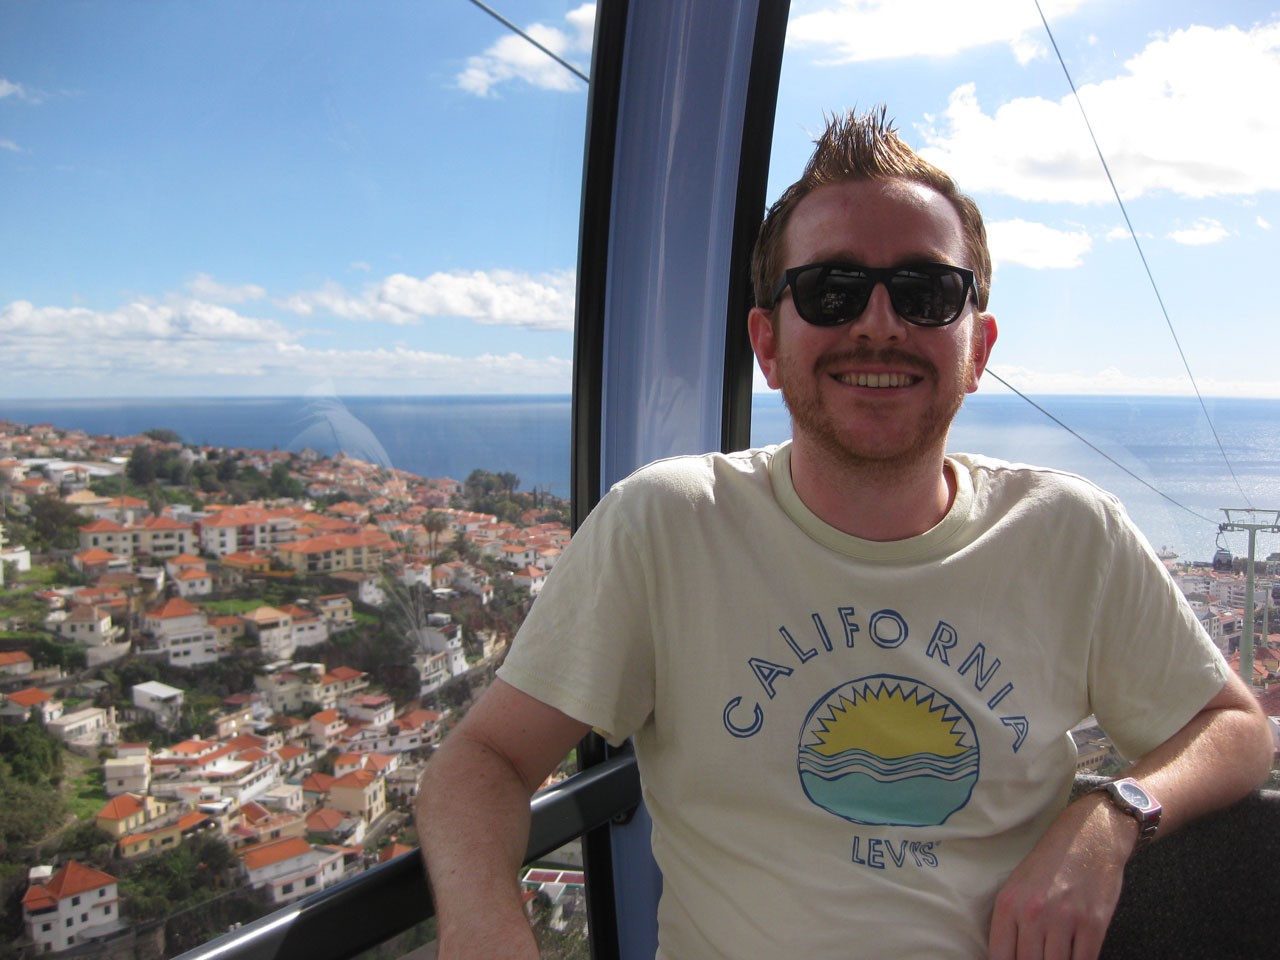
(877, 379)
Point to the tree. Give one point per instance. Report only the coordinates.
(435, 524)
(160, 435)
(54, 523)
(141, 468)
(509, 482)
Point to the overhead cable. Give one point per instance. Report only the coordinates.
(516, 30)
(1142, 256)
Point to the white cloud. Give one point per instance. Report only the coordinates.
(1204, 232)
(1112, 381)
(860, 30)
(1036, 245)
(1263, 223)
(495, 297)
(1173, 121)
(204, 287)
(514, 58)
(142, 367)
(10, 145)
(23, 325)
(10, 89)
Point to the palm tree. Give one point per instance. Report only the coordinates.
(435, 524)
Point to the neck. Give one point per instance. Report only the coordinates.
(873, 500)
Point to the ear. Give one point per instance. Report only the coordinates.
(764, 341)
(984, 338)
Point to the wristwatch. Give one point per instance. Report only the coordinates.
(1132, 798)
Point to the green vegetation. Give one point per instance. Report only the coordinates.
(176, 879)
(31, 805)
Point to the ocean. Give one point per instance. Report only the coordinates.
(1165, 442)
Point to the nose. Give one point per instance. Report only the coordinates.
(879, 322)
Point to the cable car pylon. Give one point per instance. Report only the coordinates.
(1266, 521)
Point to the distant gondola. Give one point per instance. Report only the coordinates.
(1222, 561)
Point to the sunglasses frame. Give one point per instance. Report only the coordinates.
(877, 275)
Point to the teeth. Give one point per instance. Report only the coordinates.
(878, 379)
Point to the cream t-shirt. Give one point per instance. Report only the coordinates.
(846, 746)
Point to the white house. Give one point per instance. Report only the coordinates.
(161, 700)
(74, 906)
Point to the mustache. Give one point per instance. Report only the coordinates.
(885, 356)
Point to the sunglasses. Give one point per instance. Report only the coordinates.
(830, 293)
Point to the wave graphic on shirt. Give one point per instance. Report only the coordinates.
(888, 750)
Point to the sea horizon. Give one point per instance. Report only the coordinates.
(1164, 440)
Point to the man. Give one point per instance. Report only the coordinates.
(850, 663)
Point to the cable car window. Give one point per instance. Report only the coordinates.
(286, 312)
(1137, 377)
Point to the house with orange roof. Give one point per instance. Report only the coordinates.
(291, 868)
(21, 705)
(335, 552)
(105, 535)
(335, 684)
(326, 728)
(122, 509)
(315, 788)
(360, 793)
(163, 537)
(16, 663)
(247, 561)
(194, 582)
(530, 578)
(129, 813)
(77, 904)
(244, 528)
(175, 565)
(268, 824)
(95, 561)
(336, 826)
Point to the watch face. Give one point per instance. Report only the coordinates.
(1134, 794)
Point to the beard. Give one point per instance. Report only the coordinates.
(904, 441)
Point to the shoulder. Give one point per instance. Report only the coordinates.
(696, 480)
(1006, 488)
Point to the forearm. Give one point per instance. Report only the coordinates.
(473, 823)
(1062, 895)
(1217, 758)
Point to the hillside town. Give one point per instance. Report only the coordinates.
(238, 656)
(239, 660)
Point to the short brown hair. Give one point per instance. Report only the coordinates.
(864, 147)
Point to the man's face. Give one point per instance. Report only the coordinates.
(830, 376)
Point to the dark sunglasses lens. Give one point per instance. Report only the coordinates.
(827, 296)
(927, 296)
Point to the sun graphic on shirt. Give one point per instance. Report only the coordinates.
(889, 722)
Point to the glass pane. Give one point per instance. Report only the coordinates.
(286, 311)
(980, 92)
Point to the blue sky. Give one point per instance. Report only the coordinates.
(287, 197)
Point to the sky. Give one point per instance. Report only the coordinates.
(382, 198)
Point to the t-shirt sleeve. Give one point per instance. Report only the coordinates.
(1152, 665)
(586, 646)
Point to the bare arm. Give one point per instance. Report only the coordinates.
(1059, 901)
(472, 814)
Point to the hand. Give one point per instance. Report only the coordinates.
(1058, 903)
